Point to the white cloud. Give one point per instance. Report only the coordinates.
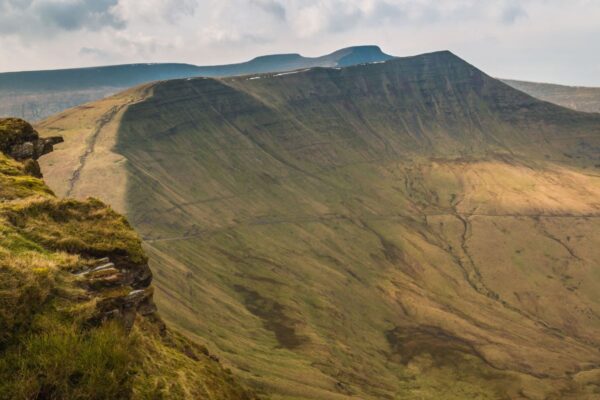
(533, 39)
(38, 18)
(273, 7)
(157, 11)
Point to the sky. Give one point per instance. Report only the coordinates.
(540, 40)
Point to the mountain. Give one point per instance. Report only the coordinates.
(575, 97)
(77, 317)
(38, 94)
(399, 230)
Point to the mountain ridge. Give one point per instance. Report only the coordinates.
(253, 192)
(373, 49)
(38, 94)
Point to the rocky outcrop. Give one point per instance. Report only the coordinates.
(122, 293)
(20, 141)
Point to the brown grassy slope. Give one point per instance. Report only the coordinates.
(398, 230)
(575, 97)
(89, 162)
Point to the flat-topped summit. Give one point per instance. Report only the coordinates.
(359, 55)
(277, 57)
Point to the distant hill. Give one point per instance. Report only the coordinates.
(38, 94)
(575, 97)
(411, 229)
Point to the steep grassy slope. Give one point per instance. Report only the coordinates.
(39, 94)
(410, 229)
(68, 332)
(575, 97)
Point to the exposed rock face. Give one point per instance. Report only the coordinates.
(20, 141)
(132, 285)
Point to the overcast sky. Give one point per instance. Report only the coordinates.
(541, 40)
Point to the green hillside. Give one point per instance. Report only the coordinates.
(412, 229)
(575, 97)
(77, 319)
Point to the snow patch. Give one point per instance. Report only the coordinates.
(292, 72)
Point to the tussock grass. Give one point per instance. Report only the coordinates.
(59, 361)
(88, 227)
(172, 367)
(16, 184)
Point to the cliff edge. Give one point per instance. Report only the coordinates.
(77, 319)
